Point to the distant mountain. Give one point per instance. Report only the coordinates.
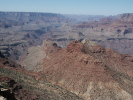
(84, 18)
(30, 17)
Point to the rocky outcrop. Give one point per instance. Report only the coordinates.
(19, 84)
(31, 58)
(34, 56)
(90, 71)
(8, 87)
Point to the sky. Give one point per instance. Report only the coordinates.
(83, 7)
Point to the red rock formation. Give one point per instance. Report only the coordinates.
(49, 47)
(90, 71)
(28, 85)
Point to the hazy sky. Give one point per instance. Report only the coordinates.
(85, 7)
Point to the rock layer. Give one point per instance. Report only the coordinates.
(19, 84)
(90, 71)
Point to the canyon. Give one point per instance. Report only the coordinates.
(83, 70)
(22, 30)
(48, 56)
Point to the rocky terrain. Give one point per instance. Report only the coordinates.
(81, 71)
(90, 71)
(55, 65)
(21, 30)
(113, 32)
(19, 84)
(22, 33)
(35, 55)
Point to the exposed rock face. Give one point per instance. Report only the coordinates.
(111, 32)
(90, 71)
(84, 18)
(34, 55)
(50, 47)
(21, 30)
(19, 84)
(119, 24)
(14, 91)
(8, 87)
(30, 17)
